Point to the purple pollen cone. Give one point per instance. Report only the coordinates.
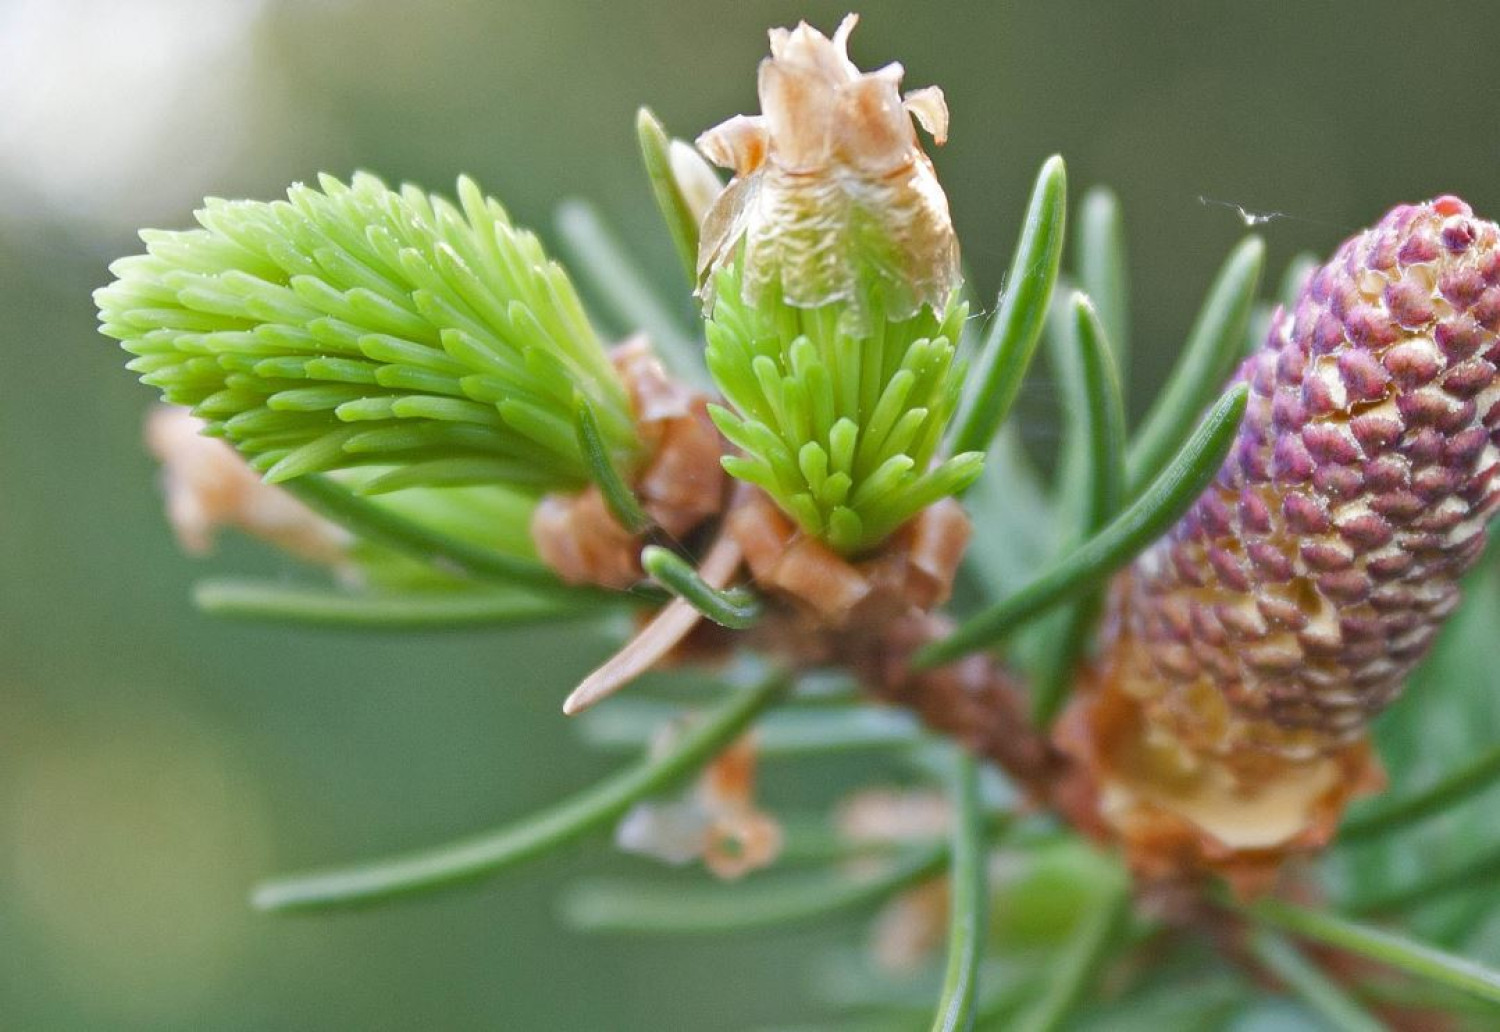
(1245, 653)
(1303, 586)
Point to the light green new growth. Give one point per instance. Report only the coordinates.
(357, 325)
(488, 516)
(839, 430)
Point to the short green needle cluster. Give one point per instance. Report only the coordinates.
(355, 325)
(840, 428)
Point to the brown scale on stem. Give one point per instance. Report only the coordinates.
(870, 616)
(680, 485)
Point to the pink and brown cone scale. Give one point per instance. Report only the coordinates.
(1246, 652)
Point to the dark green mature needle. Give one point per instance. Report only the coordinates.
(736, 608)
(427, 610)
(1380, 945)
(1145, 519)
(1449, 879)
(381, 525)
(1204, 365)
(967, 902)
(633, 722)
(621, 905)
(1310, 984)
(1078, 966)
(1102, 270)
(483, 855)
(602, 471)
(656, 155)
(1012, 339)
(1390, 815)
(1096, 410)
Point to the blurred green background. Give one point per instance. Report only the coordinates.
(153, 763)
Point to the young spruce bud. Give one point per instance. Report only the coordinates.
(355, 325)
(830, 272)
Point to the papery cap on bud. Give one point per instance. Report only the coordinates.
(699, 183)
(832, 194)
